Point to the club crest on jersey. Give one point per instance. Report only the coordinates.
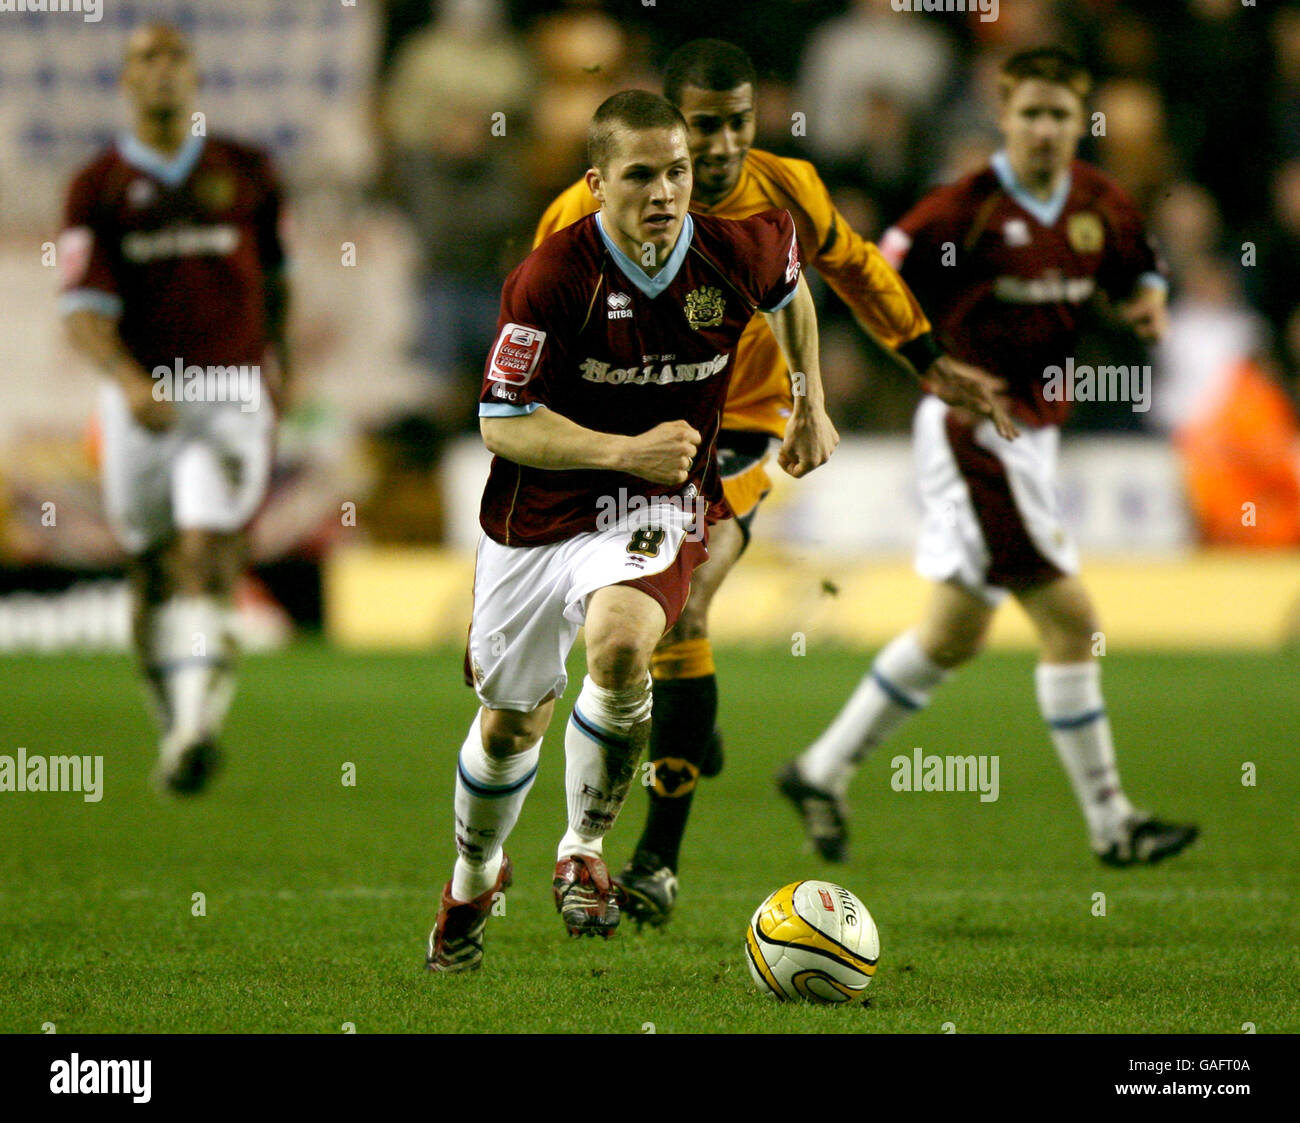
(1085, 232)
(515, 356)
(619, 306)
(1016, 232)
(704, 307)
(141, 193)
(215, 190)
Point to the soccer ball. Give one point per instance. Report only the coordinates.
(813, 940)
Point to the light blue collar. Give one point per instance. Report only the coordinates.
(651, 286)
(173, 172)
(1046, 212)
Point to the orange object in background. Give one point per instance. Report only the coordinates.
(93, 436)
(1245, 451)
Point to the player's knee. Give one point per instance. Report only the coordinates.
(954, 650)
(1069, 641)
(949, 644)
(1068, 635)
(207, 564)
(506, 733)
(619, 660)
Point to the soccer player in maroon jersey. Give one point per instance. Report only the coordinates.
(1005, 260)
(602, 400)
(173, 284)
(712, 83)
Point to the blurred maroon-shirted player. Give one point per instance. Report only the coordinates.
(602, 400)
(1004, 261)
(173, 284)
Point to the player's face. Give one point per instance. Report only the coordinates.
(722, 127)
(159, 75)
(1042, 123)
(644, 191)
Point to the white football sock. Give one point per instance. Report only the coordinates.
(490, 793)
(899, 684)
(601, 745)
(1069, 697)
(188, 647)
(221, 687)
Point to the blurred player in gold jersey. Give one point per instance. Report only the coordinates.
(712, 82)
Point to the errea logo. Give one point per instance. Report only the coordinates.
(619, 306)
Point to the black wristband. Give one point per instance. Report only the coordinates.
(921, 351)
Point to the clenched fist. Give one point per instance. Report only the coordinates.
(810, 438)
(664, 454)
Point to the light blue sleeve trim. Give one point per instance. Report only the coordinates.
(1154, 280)
(505, 409)
(788, 297)
(90, 300)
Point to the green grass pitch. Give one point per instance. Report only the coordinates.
(318, 896)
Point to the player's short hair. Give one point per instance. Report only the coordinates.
(707, 64)
(153, 30)
(1050, 64)
(629, 109)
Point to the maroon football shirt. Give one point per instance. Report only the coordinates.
(1004, 276)
(583, 331)
(178, 248)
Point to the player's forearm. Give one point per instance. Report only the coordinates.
(880, 300)
(96, 336)
(545, 439)
(920, 353)
(795, 328)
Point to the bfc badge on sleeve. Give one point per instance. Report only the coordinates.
(74, 249)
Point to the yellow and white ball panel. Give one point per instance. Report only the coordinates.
(759, 969)
(813, 939)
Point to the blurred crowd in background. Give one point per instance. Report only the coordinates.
(1199, 118)
(1201, 104)
(433, 133)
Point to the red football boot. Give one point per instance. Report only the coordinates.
(585, 896)
(456, 942)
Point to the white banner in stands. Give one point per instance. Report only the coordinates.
(1119, 495)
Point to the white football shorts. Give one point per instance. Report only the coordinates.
(209, 472)
(990, 518)
(530, 601)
